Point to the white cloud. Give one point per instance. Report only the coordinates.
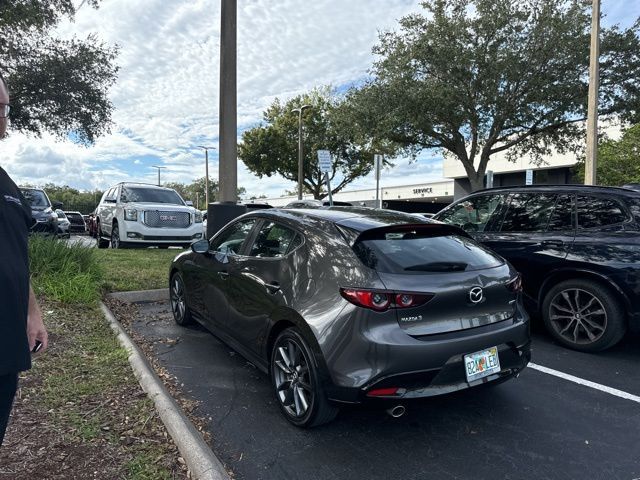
(166, 97)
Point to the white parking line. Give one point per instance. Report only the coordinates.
(586, 383)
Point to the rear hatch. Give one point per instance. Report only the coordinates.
(438, 279)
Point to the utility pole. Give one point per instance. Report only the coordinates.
(591, 162)
(159, 168)
(300, 148)
(206, 172)
(228, 174)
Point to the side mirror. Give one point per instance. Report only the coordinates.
(189, 203)
(201, 246)
(57, 205)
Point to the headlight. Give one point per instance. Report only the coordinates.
(131, 214)
(198, 217)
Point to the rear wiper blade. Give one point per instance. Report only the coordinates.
(439, 267)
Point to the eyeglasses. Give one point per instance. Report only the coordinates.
(4, 110)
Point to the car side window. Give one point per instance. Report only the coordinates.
(562, 218)
(273, 240)
(473, 214)
(528, 212)
(599, 212)
(232, 239)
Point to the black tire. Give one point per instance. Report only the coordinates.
(298, 382)
(584, 315)
(115, 236)
(102, 243)
(177, 295)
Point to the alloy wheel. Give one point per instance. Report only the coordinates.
(292, 378)
(578, 316)
(115, 237)
(178, 304)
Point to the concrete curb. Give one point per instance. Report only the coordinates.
(200, 460)
(142, 296)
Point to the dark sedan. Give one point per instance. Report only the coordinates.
(77, 224)
(346, 305)
(45, 220)
(577, 248)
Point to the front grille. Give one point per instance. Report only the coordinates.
(162, 219)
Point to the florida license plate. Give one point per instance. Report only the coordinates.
(481, 364)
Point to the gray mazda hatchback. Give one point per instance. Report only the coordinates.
(348, 305)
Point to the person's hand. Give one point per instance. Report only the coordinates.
(35, 326)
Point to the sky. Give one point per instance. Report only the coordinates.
(166, 95)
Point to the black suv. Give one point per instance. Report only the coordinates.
(578, 251)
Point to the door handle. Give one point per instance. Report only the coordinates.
(223, 275)
(272, 287)
(552, 243)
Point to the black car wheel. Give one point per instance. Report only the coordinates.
(297, 383)
(181, 313)
(115, 237)
(584, 315)
(102, 243)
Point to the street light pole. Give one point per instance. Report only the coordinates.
(590, 177)
(228, 164)
(300, 148)
(206, 174)
(159, 168)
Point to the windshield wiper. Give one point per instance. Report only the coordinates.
(439, 267)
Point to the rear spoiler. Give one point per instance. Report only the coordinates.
(425, 229)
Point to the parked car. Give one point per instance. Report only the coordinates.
(45, 219)
(92, 225)
(63, 224)
(353, 305)
(577, 248)
(139, 214)
(77, 222)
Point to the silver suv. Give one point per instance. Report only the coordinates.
(140, 214)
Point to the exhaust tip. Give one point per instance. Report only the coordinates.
(397, 411)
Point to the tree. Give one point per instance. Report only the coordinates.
(478, 77)
(618, 160)
(58, 86)
(195, 191)
(72, 198)
(272, 148)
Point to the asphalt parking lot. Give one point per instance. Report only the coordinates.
(539, 426)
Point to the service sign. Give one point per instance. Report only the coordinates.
(324, 161)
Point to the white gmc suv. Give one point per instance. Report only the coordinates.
(139, 214)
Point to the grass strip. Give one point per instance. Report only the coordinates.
(81, 398)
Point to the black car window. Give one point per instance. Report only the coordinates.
(528, 212)
(273, 240)
(473, 214)
(419, 252)
(231, 240)
(563, 217)
(599, 212)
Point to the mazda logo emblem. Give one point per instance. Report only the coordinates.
(476, 295)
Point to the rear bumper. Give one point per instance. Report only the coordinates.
(425, 367)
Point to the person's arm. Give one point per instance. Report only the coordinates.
(35, 325)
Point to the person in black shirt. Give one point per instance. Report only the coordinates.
(21, 326)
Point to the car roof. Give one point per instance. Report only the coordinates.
(568, 187)
(357, 218)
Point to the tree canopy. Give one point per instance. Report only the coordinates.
(272, 147)
(58, 86)
(618, 160)
(478, 77)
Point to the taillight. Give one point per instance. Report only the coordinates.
(382, 300)
(515, 284)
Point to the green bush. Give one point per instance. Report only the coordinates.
(64, 272)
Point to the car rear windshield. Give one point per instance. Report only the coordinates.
(420, 251)
(150, 195)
